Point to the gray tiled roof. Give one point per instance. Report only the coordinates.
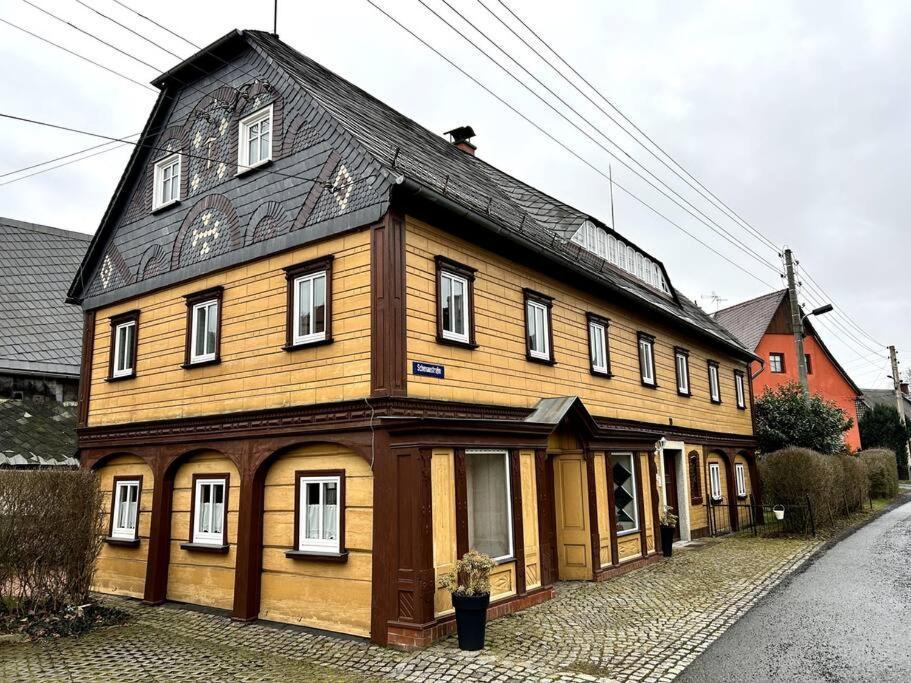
(39, 332)
(884, 397)
(37, 434)
(749, 320)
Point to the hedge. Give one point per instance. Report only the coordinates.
(882, 473)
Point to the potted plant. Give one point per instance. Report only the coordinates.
(779, 512)
(668, 523)
(469, 584)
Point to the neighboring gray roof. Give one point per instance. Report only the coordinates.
(37, 434)
(884, 397)
(749, 320)
(39, 332)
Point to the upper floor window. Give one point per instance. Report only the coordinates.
(489, 503)
(309, 303)
(715, 481)
(538, 331)
(806, 357)
(776, 362)
(740, 479)
(647, 359)
(682, 362)
(203, 326)
(166, 183)
(598, 347)
(320, 514)
(455, 309)
(210, 497)
(255, 144)
(714, 383)
(125, 512)
(623, 470)
(739, 389)
(123, 345)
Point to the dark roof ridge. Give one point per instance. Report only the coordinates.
(748, 302)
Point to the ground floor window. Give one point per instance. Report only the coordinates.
(715, 480)
(489, 503)
(126, 509)
(623, 468)
(210, 510)
(320, 513)
(740, 477)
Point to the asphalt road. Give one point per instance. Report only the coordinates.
(846, 618)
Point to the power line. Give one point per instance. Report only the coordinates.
(67, 163)
(152, 21)
(63, 156)
(127, 28)
(814, 284)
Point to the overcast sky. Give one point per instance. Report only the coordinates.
(795, 114)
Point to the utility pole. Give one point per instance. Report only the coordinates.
(899, 401)
(796, 320)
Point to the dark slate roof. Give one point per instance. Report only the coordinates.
(749, 320)
(36, 434)
(39, 332)
(884, 397)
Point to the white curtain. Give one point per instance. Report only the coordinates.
(488, 504)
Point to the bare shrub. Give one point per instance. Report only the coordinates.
(853, 484)
(879, 464)
(51, 532)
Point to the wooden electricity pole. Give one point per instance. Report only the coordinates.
(899, 401)
(796, 320)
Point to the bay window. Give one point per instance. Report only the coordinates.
(309, 303)
(489, 503)
(623, 469)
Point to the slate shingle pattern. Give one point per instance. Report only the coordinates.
(38, 331)
(37, 434)
(749, 320)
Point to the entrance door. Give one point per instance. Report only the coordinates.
(573, 525)
(670, 487)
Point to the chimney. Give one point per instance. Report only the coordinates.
(461, 138)
(904, 388)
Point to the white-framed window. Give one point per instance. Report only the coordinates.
(310, 307)
(715, 481)
(623, 470)
(714, 386)
(682, 361)
(209, 511)
(204, 335)
(538, 329)
(489, 503)
(776, 362)
(597, 344)
(255, 143)
(126, 509)
(647, 359)
(739, 390)
(124, 349)
(319, 523)
(454, 309)
(166, 183)
(740, 478)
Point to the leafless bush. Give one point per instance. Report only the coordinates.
(50, 536)
(881, 470)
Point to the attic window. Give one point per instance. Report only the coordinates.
(166, 190)
(255, 144)
(598, 241)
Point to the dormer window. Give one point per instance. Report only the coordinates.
(166, 190)
(255, 144)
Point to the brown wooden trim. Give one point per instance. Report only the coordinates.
(444, 264)
(126, 477)
(680, 351)
(322, 264)
(739, 374)
(249, 551)
(595, 532)
(128, 316)
(611, 510)
(312, 556)
(215, 294)
(342, 545)
(85, 368)
(156, 584)
(388, 341)
(383, 586)
(547, 547)
(461, 502)
(224, 528)
(518, 522)
(640, 337)
(653, 496)
(547, 302)
(709, 365)
(640, 504)
(605, 323)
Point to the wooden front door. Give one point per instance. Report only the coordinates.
(573, 524)
(670, 487)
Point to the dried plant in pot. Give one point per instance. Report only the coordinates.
(469, 584)
(668, 524)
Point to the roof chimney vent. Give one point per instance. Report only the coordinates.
(461, 138)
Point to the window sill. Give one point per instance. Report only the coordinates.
(307, 345)
(247, 170)
(629, 532)
(200, 363)
(685, 394)
(648, 385)
(313, 556)
(714, 402)
(606, 374)
(456, 342)
(164, 207)
(126, 542)
(741, 407)
(541, 361)
(743, 497)
(120, 378)
(717, 501)
(206, 548)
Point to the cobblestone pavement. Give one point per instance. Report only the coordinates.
(644, 626)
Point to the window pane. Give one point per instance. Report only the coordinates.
(330, 511)
(211, 323)
(446, 302)
(319, 304)
(200, 341)
(265, 142)
(624, 473)
(218, 507)
(458, 307)
(530, 315)
(313, 506)
(489, 520)
(303, 307)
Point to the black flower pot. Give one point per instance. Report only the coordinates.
(667, 540)
(471, 619)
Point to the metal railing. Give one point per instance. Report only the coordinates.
(760, 519)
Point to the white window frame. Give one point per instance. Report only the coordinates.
(597, 340)
(635, 473)
(683, 372)
(647, 360)
(243, 150)
(530, 307)
(120, 349)
(209, 356)
(739, 390)
(310, 337)
(714, 384)
(209, 537)
(740, 479)
(512, 545)
(123, 532)
(454, 335)
(319, 545)
(158, 202)
(715, 481)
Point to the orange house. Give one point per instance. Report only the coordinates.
(764, 326)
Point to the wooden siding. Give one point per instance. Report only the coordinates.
(604, 530)
(530, 527)
(498, 372)
(255, 372)
(121, 570)
(323, 595)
